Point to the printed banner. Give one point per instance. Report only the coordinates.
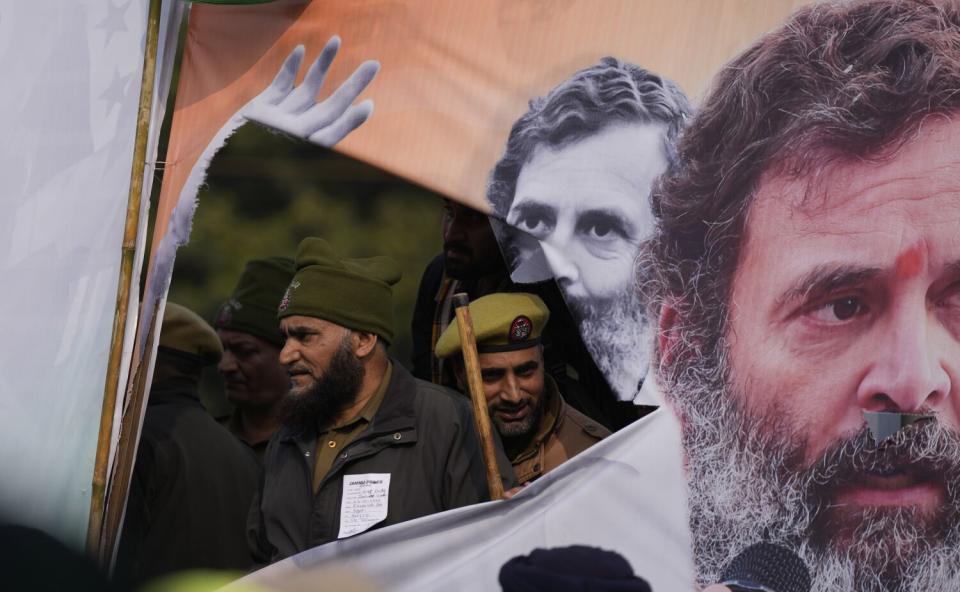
(449, 96)
(758, 206)
(72, 71)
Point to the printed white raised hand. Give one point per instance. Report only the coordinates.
(295, 109)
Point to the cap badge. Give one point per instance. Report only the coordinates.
(520, 329)
(226, 312)
(285, 302)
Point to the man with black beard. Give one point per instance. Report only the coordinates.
(470, 263)
(806, 274)
(572, 191)
(363, 443)
(539, 430)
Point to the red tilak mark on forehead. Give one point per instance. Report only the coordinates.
(910, 262)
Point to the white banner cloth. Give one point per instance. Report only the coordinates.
(625, 494)
(71, 72)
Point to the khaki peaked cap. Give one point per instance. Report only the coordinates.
(185, 331)
(353, 293)
(501, 322)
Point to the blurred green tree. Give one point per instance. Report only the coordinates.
(265, 192)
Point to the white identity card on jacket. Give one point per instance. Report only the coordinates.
(364, 502)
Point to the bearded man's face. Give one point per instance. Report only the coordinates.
(513, 384)
(325, 373)
(582, 210)
(846, 299)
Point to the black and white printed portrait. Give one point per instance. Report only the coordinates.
(571, 198)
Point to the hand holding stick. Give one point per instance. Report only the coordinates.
(471, 365)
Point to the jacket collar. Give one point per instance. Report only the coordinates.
(396, 412)
(553, 412)
(174, 390)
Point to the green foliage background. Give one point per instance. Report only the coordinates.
(265, 192)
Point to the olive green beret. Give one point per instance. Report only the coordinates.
(252, 308)
(501, 322)
(353, 293)
(185, 331)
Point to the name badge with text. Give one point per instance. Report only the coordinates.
(364, 502)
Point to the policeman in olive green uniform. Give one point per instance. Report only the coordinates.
(363, 443)
(193, 482)
(246, 324)
(539, 430)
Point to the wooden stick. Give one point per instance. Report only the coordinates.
(471, 364)
(127, 254)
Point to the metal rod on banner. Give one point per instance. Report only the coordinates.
(127, 255)
(481, 417)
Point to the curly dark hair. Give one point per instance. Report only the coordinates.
(584, 104)
(839, 81)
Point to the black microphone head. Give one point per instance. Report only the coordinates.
(765, 566)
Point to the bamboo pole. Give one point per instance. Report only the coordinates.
(127, 255)
(481, 416)
(125, 458)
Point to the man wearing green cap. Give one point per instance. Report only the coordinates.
(539, 430)
(254, 379)
(193, 482)
(363, 443)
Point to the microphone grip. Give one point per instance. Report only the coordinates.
(766, 567)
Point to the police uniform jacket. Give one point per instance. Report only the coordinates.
(190, 493)
(422, 435)
(563, 433)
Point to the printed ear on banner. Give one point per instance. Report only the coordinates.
(571, 195)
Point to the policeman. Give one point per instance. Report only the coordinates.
(539, 430)
(193, 482)
(363, 443)
(247, 326)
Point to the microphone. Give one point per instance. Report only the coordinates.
(765, 567)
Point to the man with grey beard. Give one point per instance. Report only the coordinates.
(806, 274)
(615, 332)
(571, 193)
